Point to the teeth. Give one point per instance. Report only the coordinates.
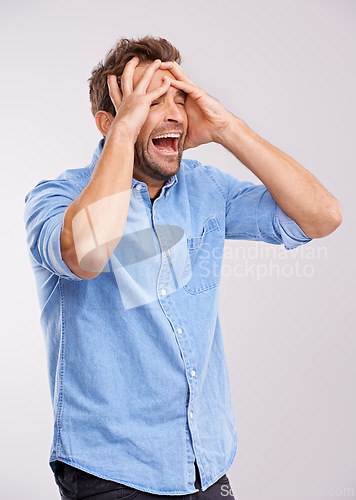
(166, 135)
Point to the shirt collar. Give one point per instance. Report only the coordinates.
(97, 153)
(167, 185)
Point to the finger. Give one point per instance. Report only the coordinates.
(114, 91)
(155, 94)
(179, 73)
(192, 90)
(146, 78)
(166, 64)
(127, 76)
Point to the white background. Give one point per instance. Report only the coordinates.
(287, 68)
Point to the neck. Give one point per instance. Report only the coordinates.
(154, 186)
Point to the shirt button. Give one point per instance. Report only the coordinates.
(180, 331)
(193, 373)
(168, 253)
(191, 414)
(138, 187)
(163, 292)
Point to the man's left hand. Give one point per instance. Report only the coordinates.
(207, 118)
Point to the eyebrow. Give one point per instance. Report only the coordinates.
(179, 93)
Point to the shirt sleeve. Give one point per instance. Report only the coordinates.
(253, 214)
(44, 211)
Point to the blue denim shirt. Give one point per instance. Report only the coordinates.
(136, 361)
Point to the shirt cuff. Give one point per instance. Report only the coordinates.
(54, 249)
(291, 234)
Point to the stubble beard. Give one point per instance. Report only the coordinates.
(160, 171)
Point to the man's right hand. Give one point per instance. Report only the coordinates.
(102, 206)
(132, 105)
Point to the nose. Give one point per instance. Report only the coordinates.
(173, 112)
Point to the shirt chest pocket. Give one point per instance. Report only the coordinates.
(204, 258)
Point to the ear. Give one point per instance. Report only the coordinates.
(103, 120)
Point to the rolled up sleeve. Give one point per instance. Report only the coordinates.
(45, 206)
(253, 214)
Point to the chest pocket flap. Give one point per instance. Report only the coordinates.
(205, 254)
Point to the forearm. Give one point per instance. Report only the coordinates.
(94, 222)
(298, 192)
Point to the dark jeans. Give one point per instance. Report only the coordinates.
(75, 484)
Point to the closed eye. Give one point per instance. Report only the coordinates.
(178, 103)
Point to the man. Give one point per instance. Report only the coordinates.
(127, 255)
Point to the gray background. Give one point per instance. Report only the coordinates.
(287, 68)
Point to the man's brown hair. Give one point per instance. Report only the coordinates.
(147, 49)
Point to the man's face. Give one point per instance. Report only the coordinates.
(160, 158)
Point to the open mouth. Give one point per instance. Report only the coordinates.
(166, 144)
